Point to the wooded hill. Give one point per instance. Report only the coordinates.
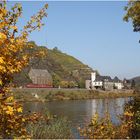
(137, 82)
(63, 68)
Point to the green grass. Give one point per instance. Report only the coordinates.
(65, 94)
(57, 128)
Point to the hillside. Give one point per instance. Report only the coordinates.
(137, 81)
(62, 67)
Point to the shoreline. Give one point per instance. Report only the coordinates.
(46, 95)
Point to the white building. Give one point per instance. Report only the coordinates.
(103, 82)
(118, 83)
(95, 82)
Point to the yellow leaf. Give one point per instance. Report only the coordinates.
(19, 109)
(2, 36)
(10, 110)
(9, 99)
(14, 27)
(23, 119)
(0, 82)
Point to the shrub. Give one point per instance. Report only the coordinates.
(103, 128)
(56, 128)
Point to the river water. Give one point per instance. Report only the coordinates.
(80, 112)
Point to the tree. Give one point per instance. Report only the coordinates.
(133, 84)
(72, 84)
(133, 13)
(56, 80)
(13, 58)
(81, 83)
(55, 49)
(64, 84)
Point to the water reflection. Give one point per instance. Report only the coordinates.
(79, 112)
(115, 107)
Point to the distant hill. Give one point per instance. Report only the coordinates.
(137, 81)
(61, 66)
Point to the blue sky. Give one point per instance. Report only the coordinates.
(94, 32)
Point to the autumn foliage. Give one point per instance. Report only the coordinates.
(104, 128)
(13, 58)
(133, 13)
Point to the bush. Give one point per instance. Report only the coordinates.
(56, 128)
(103, 128)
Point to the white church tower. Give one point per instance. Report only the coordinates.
(93, 78)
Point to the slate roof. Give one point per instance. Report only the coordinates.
(116, 79)
(103, 78)
(107, 79)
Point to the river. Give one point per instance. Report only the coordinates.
(79, 112)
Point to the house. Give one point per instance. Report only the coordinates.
(96, 81)
(108, 83)
(127, 84)
(118, 84)
(103, 82)
(40, 76)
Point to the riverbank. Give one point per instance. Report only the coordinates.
(38, 94)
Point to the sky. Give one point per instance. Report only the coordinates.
(93, 32)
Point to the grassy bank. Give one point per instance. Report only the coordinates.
(55, 128)
(36, 94)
